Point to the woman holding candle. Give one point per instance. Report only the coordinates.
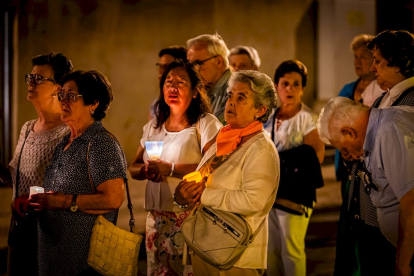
(85, 178)
(247, 180)
(37, 142)
(187, 128)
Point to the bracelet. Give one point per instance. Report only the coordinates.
(172, 169)
(182, 207)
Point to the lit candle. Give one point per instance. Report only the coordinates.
(36, 190)
(193, 176)
(154, 149)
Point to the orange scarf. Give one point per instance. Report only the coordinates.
(229, 138)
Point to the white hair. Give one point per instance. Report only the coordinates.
(262, 86)
(215, 45)
(338, 113)
(249, 51)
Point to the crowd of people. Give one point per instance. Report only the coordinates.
(256, 145)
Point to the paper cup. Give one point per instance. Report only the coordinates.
(36, 190)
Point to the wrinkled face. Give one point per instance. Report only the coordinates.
(240, 110)
(45, 90)
(350, 148)
(385, 74)
(77, 111)
(241, 62)
(289, 88)
(177, 89)
(209, 70)
(163, 63)
(362, 62)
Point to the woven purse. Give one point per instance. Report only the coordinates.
(113, 251)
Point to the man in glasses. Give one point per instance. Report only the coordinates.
(384, 139)
(211, 54)
(168, 55)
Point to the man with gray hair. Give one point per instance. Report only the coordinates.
(244, 58)
(211, 54)
(384, 139)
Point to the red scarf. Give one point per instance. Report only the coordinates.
(229, 138)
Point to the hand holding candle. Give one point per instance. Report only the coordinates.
(36, 190)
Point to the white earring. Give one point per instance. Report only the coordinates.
(92, 111)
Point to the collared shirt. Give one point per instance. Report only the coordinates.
(218, 96)
(395, 92)
(389, 157)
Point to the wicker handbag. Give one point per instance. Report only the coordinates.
(114, 251)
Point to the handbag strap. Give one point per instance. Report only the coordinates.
(131, 214)
(18, 162)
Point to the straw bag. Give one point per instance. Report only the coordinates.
(113, 251)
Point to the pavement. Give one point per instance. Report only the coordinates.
(320, 238)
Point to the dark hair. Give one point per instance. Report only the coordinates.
(289, 66)
(60, 64)
(397, 47)
(198, 105)
(178, 52)
(94, 87)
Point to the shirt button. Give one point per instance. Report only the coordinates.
(356, 217)
(355, 199)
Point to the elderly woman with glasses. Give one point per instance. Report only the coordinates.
(37, 142)
(85, 179)
(187, 128)
(247, 180)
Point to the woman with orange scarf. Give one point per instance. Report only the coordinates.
(247, 179)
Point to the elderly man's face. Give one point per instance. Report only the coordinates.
(351, 148)
(209, 69)
(241, 62)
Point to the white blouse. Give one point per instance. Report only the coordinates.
(181, 147)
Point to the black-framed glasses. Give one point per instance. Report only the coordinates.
(367, 180)
(201, 62)
(70, 97)
(38, 79)
(161, 66)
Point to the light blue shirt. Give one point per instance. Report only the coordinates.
(218, 96)
(389, 157)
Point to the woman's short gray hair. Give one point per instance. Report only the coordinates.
(336, 114)
(361, 40)
(261, 85)
(215, 45)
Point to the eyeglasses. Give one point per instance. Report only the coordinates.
(201, 62)
(70, 97)
(38, 79)
(161, 66)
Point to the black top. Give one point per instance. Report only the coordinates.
(64, 236)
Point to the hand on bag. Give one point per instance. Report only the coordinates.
(189, 192)
(20, 205)
(50, 201)
(159, 166)
(151, 174)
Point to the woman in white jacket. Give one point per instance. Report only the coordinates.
(246, 182)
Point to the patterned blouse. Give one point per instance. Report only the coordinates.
(64, 236)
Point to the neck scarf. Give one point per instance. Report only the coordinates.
(229, 138)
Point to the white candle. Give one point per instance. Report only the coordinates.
(154, 149)
(36, 190)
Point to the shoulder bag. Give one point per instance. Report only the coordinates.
(113, 251)
(217, 237)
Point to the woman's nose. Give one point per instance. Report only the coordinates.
(373, 69)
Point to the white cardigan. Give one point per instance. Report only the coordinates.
(246, 184)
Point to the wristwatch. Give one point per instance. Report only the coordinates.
(73, 206)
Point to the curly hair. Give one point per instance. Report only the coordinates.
(198, 106)
(94, 87)
(397, 47)
(60, 64)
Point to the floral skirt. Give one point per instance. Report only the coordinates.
(164, 243)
